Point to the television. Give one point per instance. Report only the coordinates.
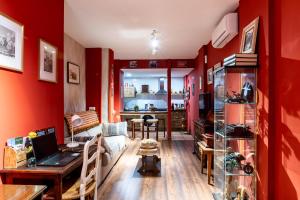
(204, 104)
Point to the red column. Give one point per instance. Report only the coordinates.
(93, 73)
(169, 128)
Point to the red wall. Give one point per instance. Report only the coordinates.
(192, 106)
(111, 108)
(93, 59)
(248, 11)
(26, 103)
(285, 132)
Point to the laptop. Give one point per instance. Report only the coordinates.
(46, 151)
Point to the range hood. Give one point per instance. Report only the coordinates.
(161, 87)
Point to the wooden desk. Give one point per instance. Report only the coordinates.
(41, 175)
(21, 192)
(209, 152)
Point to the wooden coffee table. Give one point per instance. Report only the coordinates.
(155, 155)
(21, 192)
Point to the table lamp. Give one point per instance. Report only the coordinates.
(75, 121)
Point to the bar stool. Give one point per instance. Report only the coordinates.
(149, 123)
(137, 121)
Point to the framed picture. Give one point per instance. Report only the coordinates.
(152, 64)
(210, 76)
(133, 64)
(11, 44)
(249, 37)
(73, 75)
(48, 62)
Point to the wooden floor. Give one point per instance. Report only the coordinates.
(180, 176)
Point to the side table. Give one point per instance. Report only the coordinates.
(209, 152)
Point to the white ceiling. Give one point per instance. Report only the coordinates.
(125, 25)
(144, 73)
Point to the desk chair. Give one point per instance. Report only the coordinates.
(86, 186)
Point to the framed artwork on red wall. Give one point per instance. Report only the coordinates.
(210, 76)
(48, 62)
(11, 43)
(249, 37)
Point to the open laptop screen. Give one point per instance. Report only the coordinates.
(44, 146)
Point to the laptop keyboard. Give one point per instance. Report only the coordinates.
(59, 159)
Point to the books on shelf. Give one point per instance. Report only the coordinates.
(241, 60)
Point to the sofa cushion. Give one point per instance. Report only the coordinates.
(114, 129)
(97, 130)
(89, 118)
(113, 145)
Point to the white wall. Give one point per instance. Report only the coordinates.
(177, 84)
(105, 85)
(74, 95)
(152, 82)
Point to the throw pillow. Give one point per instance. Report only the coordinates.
(113, 129)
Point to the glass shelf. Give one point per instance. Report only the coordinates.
(238, 174)
(231, 103)
(234, 138)
(234, 132)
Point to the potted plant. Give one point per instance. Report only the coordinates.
(136, 108)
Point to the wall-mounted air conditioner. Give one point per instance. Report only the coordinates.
(226, 30)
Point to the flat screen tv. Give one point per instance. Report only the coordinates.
(204, 104)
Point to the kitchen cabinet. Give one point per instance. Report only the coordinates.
(178, 120)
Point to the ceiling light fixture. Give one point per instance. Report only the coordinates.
(154, 42)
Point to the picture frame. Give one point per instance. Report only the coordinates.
(47, 62)
(210, 76)
(249, 36)
(153, 64)
(73, 73)
(11, 43)
(133, 64)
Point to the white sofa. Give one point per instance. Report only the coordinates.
(115, 138)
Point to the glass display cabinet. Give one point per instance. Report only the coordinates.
(235, 131)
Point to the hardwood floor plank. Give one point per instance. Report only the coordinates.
(180, 176)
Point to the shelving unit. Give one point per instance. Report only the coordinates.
(235, 131)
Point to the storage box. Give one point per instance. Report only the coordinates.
(14, 158)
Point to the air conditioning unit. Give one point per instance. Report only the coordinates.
(226, 30)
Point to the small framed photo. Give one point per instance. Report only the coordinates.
(48, 62)
(249, 37)
(11, 43)
(153, 64)
(210, 76)
(133, 64)
(73, 73)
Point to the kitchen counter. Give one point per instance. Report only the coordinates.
(143, 113)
